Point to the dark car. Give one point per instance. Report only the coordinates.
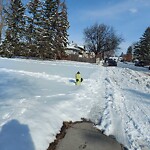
(111, 62)
(140, 63)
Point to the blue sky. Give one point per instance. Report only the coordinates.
(130, 18)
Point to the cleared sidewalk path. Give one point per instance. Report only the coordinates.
(83, 136)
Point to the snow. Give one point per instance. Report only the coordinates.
(37, 96)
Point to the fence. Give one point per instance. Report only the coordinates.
(73, 57)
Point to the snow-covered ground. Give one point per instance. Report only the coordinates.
(37, 96)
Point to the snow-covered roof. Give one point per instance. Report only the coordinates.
(75, 47)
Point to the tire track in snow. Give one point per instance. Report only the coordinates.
(111, 110)
(117, 117)
(143, 112)
(133, 127)
(139, 77)
(108, 105)
(134, 141)
(99, 105)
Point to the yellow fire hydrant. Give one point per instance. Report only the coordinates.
(78, 78)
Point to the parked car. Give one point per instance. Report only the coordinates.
(140, 63)
(111, 62)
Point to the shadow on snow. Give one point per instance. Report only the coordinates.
(15, 136)
(145, 96)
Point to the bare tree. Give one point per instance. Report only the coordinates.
(101, 38)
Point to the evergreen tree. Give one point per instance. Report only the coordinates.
(15, 27)
(136, 49)
(142, 48)
(64, 25)
(129, 50)
(61, 27)
(49, 13)
(55, 28)
(41, 33)
(33, 27)
(2, 16)
(1, 19)
(145, 45)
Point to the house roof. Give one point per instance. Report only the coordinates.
(75, 47)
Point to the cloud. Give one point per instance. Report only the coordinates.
(133, 10)
(117, 9)
(109, 11)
